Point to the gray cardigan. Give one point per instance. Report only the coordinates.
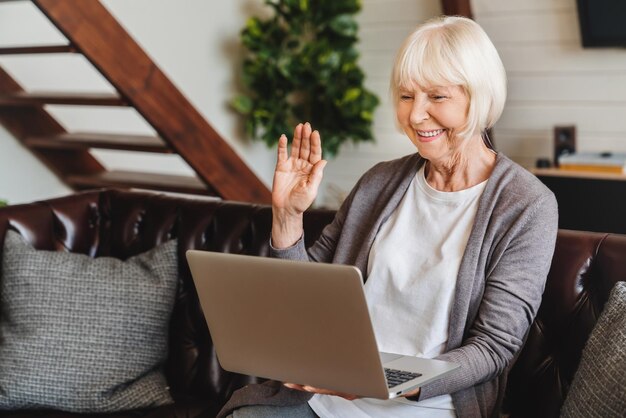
(499, 285)
(500, 281)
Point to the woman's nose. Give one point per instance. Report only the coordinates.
(419, 112)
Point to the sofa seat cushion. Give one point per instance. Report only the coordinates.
(84, 334)
(599, 385)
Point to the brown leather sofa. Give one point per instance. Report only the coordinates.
(122, 224)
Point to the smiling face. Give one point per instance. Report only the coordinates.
(431, 117)
(448, 85)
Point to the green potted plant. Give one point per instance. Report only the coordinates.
(301, 65)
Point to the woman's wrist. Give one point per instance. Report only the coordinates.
(286, 229)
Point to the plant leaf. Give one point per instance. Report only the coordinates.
(344, 25)
(242, 104)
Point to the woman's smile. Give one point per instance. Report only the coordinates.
(429, 136)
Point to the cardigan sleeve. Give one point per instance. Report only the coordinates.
(514, 284)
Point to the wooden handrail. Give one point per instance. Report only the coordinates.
(96, 34)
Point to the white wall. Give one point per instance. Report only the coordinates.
(196, 43)
(553, 80)
(22, 177)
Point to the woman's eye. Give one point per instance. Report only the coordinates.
(438, 98)
(406, 97)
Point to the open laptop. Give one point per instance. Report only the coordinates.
(300, 322)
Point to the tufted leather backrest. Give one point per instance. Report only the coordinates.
(585, 267)
(122, 223)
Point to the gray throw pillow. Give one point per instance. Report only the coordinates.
(599, 385)
(84, 334)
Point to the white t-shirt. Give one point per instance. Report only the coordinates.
(412, 272)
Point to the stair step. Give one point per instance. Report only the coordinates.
(42, 49)
(85, 140)
(133, 179)
(59, 98)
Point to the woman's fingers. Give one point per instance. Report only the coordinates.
(295, 144)
(282, 149)
(316, 174)
(316, 147)
(305, 144)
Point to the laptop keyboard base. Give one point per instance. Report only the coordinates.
(397, 377)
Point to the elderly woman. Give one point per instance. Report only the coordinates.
(455, 241)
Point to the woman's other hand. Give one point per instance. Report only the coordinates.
(296, 181)
(350, 397)
(311, 389)
(414, 392)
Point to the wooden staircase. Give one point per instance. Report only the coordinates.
(93, 32)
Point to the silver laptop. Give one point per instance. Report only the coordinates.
(300, 322)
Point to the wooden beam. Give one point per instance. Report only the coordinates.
(45, 49)
(131, 179)
(95, 33)
(87, 140)
(457, 8)
(59, 98)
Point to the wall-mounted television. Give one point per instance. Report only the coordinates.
(602, 22)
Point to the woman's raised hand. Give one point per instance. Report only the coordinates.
(296, 181)
(298, 175)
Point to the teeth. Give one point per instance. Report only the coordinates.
(430, 134)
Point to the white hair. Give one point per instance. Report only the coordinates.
(453, 50)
